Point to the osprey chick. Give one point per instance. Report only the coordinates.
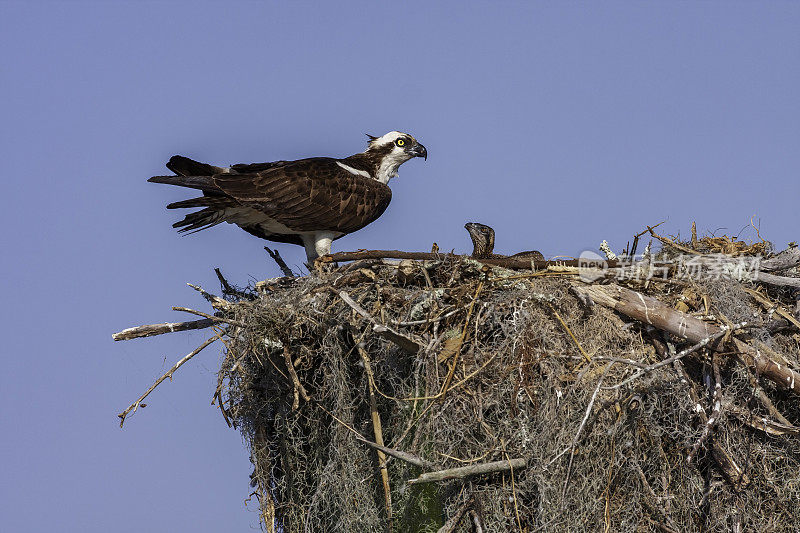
(483, 243)
(309, 202)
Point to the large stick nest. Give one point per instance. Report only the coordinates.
(565, 399)
(521, 363)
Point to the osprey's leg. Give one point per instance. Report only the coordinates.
(309, 243)
(316, 245)
(322, 242)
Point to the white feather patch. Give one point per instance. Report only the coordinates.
(354, 171)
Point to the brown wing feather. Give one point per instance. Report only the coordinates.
(310, 195)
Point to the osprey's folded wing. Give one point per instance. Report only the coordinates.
(310, 195)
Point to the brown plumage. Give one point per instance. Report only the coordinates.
(308, 202)
(483, 243)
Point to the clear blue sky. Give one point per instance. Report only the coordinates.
(560, 124)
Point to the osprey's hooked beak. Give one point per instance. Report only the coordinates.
(418, 151)
(474, 232)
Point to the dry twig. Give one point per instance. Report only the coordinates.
(276, 256)
(298, 387)
(409, 458)
(378, 431)
(215, 301)
(210, 317)
(135, 405)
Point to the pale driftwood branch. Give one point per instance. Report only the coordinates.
(409, 458)
(471, 470)
(150, 330)
(276, 256)
(135, 405)
(784, 260)
(403, 341)
(651, 311)
(582, 297)
(780, 281)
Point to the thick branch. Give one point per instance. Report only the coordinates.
(276, 256)
(651, 311)
(785, 260)
(781, 281)
(506, 262)
(150, 330)
(471, 470)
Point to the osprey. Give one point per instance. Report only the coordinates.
(310, 202)
(483, 244)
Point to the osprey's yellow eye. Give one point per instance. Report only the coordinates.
(400, 142)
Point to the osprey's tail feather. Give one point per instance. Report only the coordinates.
(199, 220)
(189, 167)
(217, 202)
(205, 183)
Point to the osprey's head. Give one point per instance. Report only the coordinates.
(392, 150)
(482, 239)
(398, 145)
